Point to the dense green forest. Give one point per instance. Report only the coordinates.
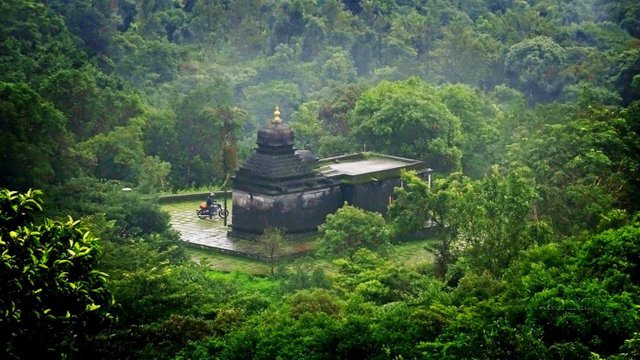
(527, 111)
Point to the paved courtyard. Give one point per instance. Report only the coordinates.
(211, 233)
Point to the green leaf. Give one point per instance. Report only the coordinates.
(93, 307)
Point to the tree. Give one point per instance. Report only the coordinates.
(493, 219)
(416, 31)
(314, 36)
(314, 301)
(408, 118)
(307, 127)
(536, 66)
(90, 101)
(613, 256)
(580, 293)
(510, 26)
(145, 63)
(119, 155)
(334, 116)
(418, 207)
(627, 77)
(204, 132)
(463, 55)
(350, 229)
(480, 132)
(271, 242)
(338, 69)
(132, 215)
(585, 161)
(35, 143)
(94, 22)
(52, 300)
(36, 42)
(261, 98)
(233, 119)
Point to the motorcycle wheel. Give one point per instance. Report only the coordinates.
(223, 213)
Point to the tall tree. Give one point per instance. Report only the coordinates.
(35, 147)
(421, 206)
(408, 118)
(535, 66)
(493, 219)
(206, 127)
(478, 119)
(585, 162)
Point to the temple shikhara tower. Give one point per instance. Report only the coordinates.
(280, 187)
(276, 187)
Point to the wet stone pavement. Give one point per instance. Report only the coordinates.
(211, 233)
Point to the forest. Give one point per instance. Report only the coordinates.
(528, 112)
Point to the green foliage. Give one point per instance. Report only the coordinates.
(35, 143)
(303, 276)
(92, 102)
(614, 257)
(93, 22)
(271, 242)
(53, 299)
(313, 302)
(132, 215)
(419, 208)
(307, 127)
(145, 63)
(492, 219)
(289, 53)
(535, 66)
(583, 159)
(480, 131)
(204, 136)
(36, 42)
(370, 278)
(584, 313)
(464, 55)
(334, 115)
(164, 94)
(350, 229)
(388, 116)
(486, 221)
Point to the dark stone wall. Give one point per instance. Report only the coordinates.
(298, 212)
(303, 212)
(371, 196)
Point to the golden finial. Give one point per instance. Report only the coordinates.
(276, 117)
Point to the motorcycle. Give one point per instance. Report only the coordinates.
(209, 212)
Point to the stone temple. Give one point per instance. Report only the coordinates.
(292, 190)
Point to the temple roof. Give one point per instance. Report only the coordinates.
(365, 167)
(275, 137)
(275, 167)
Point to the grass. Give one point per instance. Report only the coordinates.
(411, 253)
(407, 254)
(259, 284)
(227, 263)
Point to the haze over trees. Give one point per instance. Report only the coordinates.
(528, 112)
